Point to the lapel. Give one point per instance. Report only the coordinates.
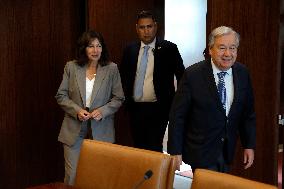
(236, 81)
(209, 78)
(81, 81)
(134, 57)
(157, 50)
(100, 76)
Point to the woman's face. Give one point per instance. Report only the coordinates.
(94, 50)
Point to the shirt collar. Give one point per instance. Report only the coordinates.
(217, 70)
(152, 45)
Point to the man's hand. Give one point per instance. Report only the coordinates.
(248, 157)
(178, 161)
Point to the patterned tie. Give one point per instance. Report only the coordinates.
(138, 92)
(221, 88)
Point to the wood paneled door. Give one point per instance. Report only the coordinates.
(257, 21)
(36, 40)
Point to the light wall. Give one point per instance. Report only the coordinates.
(185, 25)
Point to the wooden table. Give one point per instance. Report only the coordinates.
(57, 185)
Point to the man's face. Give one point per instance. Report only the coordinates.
(146, 30)
(224, 51)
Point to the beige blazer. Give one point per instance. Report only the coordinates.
(107, 96)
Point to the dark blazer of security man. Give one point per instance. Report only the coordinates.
(149, 112)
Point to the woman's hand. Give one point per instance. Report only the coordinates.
(83, 115)
(96, 115)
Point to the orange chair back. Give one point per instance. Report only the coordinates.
(206, 179)
(109, 166)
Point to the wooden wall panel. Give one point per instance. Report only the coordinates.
(257, 21)
(116, 21)
(36, 40)
(281, 47)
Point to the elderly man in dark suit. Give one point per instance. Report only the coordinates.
(147, 70)
(213, 104)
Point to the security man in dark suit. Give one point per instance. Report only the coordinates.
(148, 70)
(213, 105)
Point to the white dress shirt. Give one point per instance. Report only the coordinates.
(229, 85)
(89, 90)
(148, 87)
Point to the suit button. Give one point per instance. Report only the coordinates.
(222, 139)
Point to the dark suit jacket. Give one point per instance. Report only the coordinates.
(167, 64)
(198, 123)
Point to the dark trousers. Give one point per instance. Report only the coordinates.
(148, 122)
(220, 166)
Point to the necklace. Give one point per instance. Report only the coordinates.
(91, 75)
(91, 71)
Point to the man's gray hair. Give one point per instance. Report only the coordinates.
(220, 31)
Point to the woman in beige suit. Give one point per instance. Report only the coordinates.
(90, 93)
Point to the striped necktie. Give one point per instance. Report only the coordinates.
(221, 88)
